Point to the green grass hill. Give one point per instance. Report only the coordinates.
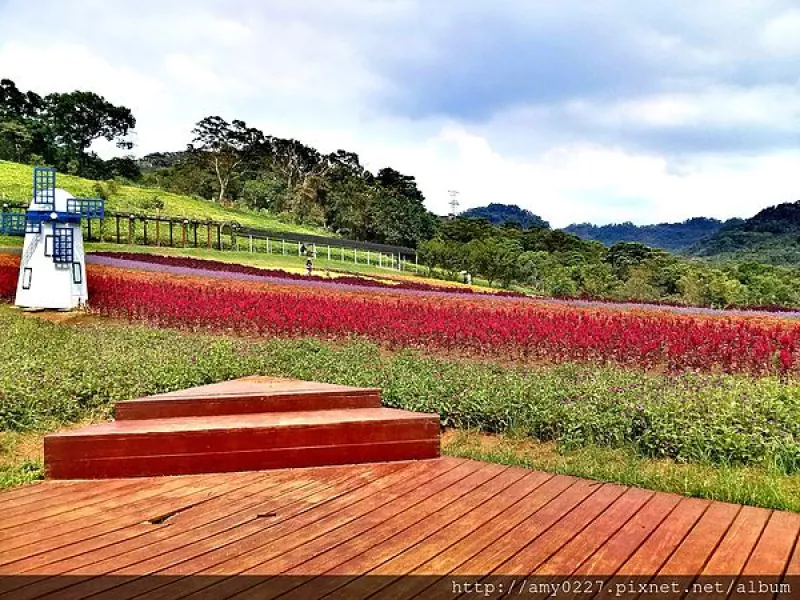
(16, 182)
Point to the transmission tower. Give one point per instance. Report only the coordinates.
(453, 203)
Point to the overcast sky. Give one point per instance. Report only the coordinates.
(579, 110)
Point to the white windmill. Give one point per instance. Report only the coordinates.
(52, 272)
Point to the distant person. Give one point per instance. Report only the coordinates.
(302, 249)
(308, 267)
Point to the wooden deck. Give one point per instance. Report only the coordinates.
(445, 521)
(246, 424)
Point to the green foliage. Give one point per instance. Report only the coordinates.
(236, 164)
(224, 149)
(25, 471)
(58, 130)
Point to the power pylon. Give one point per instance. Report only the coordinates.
(453, 203)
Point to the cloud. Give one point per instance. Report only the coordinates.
(613, 110)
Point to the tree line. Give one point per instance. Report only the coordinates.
(236, 164)
(555, 263)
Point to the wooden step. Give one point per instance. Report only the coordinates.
(240, 442)
(246, 396)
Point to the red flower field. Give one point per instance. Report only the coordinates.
(517, 330)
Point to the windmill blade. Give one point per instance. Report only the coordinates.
(44, 187)
(86, 208)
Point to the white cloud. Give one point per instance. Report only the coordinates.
(782, 34)
(321, 72)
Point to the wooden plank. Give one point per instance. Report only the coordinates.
(569, 526)
(287, 524)
(614, 550)
(56, 562)
(252, 460)
(290, 422)
(11, 523)
(792, 571)
(693, 553)
(367, 552)
(319, 530)
(735, 548)
(227, 507)
(656, 549)
(231, 433)
(84, 568)
(482, 537)
(139, 506)
(166, 409)
(83, 493)
(35, 492)
(126, 519)
(377, 578)
(420, 517)
(567, 560)
(618, 548)
(659, 546)
(254, 385)
(769, 558)
(696, 549)
(528, 530)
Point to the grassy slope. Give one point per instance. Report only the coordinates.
(15, 185)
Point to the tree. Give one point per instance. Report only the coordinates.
(15, 141)
(16, 105)
(124, 167)
(76, 119)
(225, 148)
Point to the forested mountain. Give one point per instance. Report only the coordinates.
(675, 237)
(771, 236)
(498, 214)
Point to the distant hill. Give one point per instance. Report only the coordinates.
(497, 214)
(771, 236)
(675, 237)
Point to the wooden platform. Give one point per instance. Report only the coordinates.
(355, 531)
(254, 394)
(246, 424)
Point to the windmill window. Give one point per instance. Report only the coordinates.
(48, 245)
(76, 273)
(27, 273)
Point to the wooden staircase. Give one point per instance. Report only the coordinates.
(245, 424)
